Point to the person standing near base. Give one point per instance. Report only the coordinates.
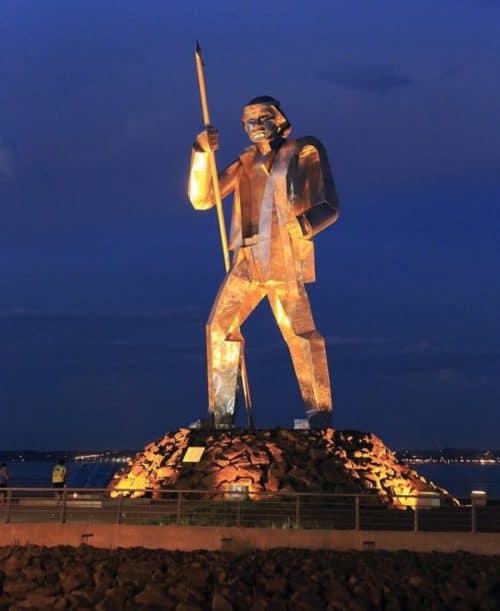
(4, 479)
(59, 475)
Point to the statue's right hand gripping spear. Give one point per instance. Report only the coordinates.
(220, 215)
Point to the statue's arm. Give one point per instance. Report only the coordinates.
(200, 189)
(312, 189)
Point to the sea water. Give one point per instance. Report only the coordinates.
(458, 479)
(461, 479)
(28, 474)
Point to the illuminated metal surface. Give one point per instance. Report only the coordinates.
(283, 196)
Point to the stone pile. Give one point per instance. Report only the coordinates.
(274, 580)
(271, 461)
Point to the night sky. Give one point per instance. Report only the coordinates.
(107, 274)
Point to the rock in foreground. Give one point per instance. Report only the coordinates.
(107, 580)
(272, 461)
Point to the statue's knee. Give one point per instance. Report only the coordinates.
(214, 332)
(307, 336)
(311, 336)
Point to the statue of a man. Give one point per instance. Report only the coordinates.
(284, 195)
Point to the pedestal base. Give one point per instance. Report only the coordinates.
(273, 461)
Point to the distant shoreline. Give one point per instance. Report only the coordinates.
(414, 456)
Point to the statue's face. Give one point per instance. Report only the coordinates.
(259, 121)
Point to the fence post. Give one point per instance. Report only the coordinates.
(297, 511)
(63, 507)
(356, 514)
(120, 503)
(238, 513)
(415, 518)
(6, 517)
(473, 516)
(179, 507)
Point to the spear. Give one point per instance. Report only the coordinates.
(220, 216)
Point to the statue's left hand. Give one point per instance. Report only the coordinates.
(294, 229)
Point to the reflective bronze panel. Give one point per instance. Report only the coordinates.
(284, 195)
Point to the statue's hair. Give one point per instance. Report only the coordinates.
(264, 99)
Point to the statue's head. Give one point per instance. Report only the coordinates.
(263, 120)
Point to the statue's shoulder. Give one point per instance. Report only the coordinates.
(305, 148)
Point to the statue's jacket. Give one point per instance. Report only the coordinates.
(280, 204)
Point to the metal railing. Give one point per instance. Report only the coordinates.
(262, 510)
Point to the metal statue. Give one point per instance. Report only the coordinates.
(284, 195)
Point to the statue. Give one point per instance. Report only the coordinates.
(284, 195)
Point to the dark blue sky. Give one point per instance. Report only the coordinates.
(107, 274)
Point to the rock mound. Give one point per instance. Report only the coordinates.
(272, 461)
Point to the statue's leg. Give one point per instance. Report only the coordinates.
(307, 349)
(237, 297)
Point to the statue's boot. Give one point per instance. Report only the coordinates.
(319, 418)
